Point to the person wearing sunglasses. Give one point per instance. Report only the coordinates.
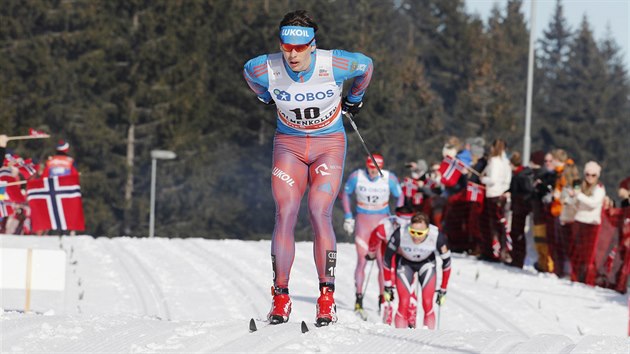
(378, 244)
(544, 182)
(589, 200)
(416, 244)
(373, 193)
(305, 84)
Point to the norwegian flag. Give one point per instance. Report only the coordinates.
(610, 259)
(451, 169)
(14, 192)
(6, 209)
(412, 191)
(33, 132)
(27, 168)
(56, 203)
(8, 159)
(475, 192)
(409, 187)
(432, 184)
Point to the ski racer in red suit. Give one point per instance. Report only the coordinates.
(305, 84)
(415, 244)
(61, 164)
(372, 197)
(378, 242)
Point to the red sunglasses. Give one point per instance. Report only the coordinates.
(297, 47)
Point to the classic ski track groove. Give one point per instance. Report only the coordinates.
(153, 285)
(141, 297)
(200, 254)
(485, 313)
(144, 283)
(205, 273)
(134, 332)
(296, 273)
(245, 278)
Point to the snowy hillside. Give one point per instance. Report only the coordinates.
(131, 295)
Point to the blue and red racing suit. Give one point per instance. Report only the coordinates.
(309, 146)
(372, 198)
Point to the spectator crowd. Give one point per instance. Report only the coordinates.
(37, 198)
(485, 200)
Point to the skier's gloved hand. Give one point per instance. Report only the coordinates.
(388, 294)
(271, 102)
(441, 297)
(348, 226)
(351, 107)
(370, 256)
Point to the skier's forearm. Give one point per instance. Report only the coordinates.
(345, 203)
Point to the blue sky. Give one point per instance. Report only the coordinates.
(601, 14)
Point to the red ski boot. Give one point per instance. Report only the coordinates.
(280, 306)
(326, 308)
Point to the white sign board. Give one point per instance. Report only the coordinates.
(45, 270)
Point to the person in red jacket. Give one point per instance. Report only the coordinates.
(60, 164)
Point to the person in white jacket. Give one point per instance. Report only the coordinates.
(588, 200)
(497, 177)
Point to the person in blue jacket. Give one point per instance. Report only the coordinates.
(305, 84)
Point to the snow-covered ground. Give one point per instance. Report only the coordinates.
(138, 295)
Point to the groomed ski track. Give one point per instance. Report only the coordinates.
(193, 295)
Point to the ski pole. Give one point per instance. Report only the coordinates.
(439, 316)
(354, 126)
(367, 281)
(417, 295)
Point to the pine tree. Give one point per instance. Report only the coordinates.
(616, 105)
(550, 84)
(441, 28)
(509, 44)
(120, 78)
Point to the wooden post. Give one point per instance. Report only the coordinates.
(29, 272)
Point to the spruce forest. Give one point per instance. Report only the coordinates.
(119, 78)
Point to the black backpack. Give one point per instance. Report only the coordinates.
(523, 183)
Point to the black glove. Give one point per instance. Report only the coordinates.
(441, 297)
(352, 108)
(370, 257)
(270, 103)
(388, 294)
